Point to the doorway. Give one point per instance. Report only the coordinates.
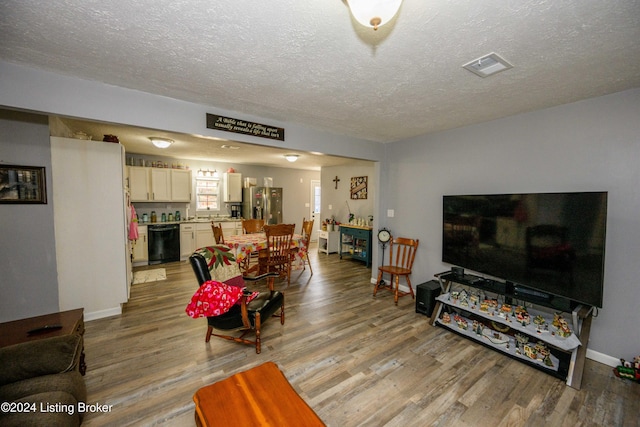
(314, 207)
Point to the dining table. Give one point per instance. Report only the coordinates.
(243, 245)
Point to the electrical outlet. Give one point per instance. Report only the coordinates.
(390, 213)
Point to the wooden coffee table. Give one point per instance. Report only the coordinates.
(46, 326)
(261, 396)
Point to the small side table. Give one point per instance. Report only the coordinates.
(328, 241)
(46, 326)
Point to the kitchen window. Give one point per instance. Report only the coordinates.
(207, 194)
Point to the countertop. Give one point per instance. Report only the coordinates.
(193, 221)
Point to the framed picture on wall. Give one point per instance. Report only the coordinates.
(359, 187)
(22, 184)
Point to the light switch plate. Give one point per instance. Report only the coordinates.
(390, 213)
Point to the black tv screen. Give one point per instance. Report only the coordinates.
(551, 242)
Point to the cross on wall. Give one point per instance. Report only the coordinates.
(336, 180)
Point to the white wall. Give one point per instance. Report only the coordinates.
(28, 272)
(42, 91)
(592, 145)
(338, 198)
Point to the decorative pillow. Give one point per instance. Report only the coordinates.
(212, 299)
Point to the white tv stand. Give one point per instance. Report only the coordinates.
(497, 328)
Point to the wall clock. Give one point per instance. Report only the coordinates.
(384, 236)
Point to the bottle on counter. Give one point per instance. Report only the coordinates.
(154, 217)
(177, 215)
(164, 217)
(170, 217)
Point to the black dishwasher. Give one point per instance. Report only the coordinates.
(164, 243)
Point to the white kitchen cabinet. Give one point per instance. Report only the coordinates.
(140, 247)
(204, 235)
(180, 185)
(139, 183)
(160, 185)
(187, 240)
(232, 188)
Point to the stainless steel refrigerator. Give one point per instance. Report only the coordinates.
(262, 203)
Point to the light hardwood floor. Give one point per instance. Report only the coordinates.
(357, 360)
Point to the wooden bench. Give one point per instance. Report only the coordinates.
(261, 396)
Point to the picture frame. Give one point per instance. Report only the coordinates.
(22, 184)
(359, 187)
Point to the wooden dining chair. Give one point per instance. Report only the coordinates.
(250, 226)
(307, 229)
(217, 233)
(400, 265)
(277, 256)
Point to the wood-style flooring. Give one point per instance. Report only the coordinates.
(355, 359)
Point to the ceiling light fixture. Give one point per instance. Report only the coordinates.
(487, 65)
(291, 157)
(208, 173)
(374, 13)
(161, 142)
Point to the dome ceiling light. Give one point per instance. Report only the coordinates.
(291, 157)
(373, 13)
(161, 142)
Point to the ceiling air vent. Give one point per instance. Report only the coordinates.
(487, 65)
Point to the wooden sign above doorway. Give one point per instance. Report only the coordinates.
(244, 127)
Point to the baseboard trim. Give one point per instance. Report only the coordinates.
(101, 314)
(403, 287)
(602, 358)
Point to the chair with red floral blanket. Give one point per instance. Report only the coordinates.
(223, 299)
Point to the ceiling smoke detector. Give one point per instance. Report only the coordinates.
(487, 65)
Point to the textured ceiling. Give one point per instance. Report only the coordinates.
(309, 63)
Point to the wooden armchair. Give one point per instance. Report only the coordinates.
(277, 256)
(246, 316)
(405, 254)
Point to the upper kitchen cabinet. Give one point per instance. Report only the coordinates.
(159, 185)
(139, 186)
(232, 188)
(180, 185)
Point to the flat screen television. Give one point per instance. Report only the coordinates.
(553, 243)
